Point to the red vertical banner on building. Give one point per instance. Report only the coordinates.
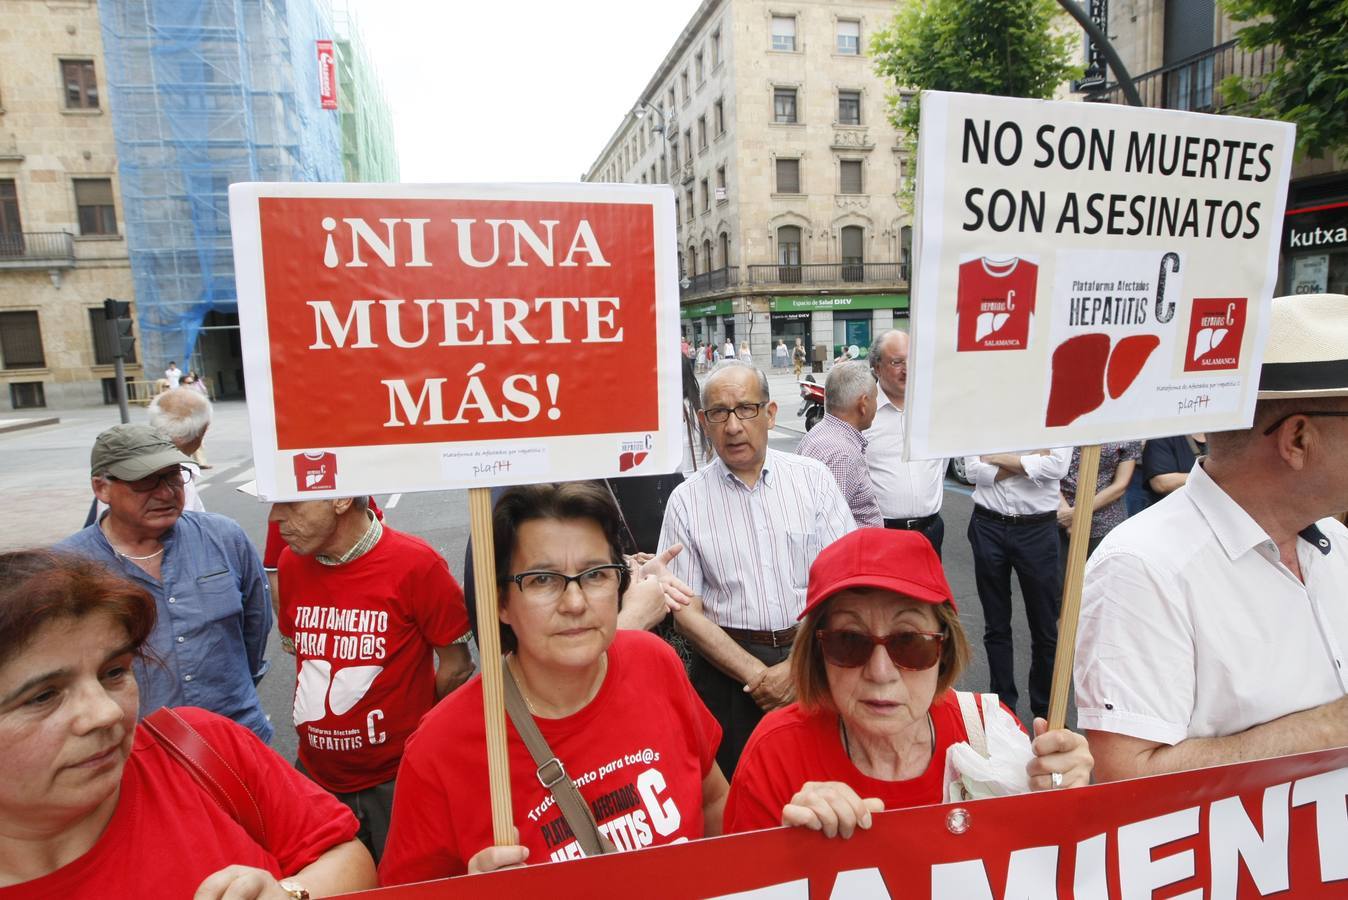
(327, 75)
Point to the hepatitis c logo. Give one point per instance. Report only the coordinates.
(995, 304)
(1216, 329)
(316, 471)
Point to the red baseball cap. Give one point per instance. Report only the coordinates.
(886, 558)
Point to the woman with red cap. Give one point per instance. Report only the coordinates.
(879, 646)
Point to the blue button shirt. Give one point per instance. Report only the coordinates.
(214, 614)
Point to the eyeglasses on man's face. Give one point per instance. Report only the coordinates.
(175, 478)
(719, 414)
(542, 586)
(894, 362)
(1326, 414)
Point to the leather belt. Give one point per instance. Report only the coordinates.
(781, 638)
(913, 524)
(1032, 519)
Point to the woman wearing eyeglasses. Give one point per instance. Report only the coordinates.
(879, 646)
(615, 708)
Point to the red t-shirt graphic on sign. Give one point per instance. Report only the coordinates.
(316, 471)
(364, 632)
(1216, 328)
(996, 303)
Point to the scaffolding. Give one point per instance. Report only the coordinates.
(205, 93)
(367, 124)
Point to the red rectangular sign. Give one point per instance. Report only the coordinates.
(1277, 827)
(327, 75)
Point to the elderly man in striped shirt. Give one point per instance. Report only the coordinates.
(837, 441)
(751, 523)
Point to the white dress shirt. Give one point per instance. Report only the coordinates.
(1020, 495)
(904, 490)
(1191, 626)
(747, 551)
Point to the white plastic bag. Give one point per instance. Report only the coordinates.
(992, 763)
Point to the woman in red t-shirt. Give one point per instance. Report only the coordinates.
(879, 645)
(91, 806)
(615, 708)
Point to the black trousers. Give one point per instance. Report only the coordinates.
(729, 704)
(1031, 550)
(934, 530)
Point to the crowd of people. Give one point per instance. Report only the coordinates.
(823, 642)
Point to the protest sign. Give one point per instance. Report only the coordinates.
(1277, 826)
(1088, 272)
(407, 338)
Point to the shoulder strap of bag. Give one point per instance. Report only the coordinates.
(208, 768)
(551, 774)
(973, 722)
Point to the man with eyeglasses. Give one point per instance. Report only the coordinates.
(909, 493)
(214, 613)
(751, 523)
(1214, 627)
(365, 609)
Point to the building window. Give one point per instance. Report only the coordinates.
(692, 259)
(27, 395)
(718, 117)
(784, 105)
(784, 33)
(788, 176)
(849, 37)
(702, 132)
(105, 345)
(720, 184)
(697, 69)
(688, 197)
(706, 195)
(716, 48)
(852, 258)
(788, 254)
(683, 83)
(725, 250)
(673, 156)
(81, 88)
(21, 341)
(671, 101)
(688, 142)
(11, 229)
(676, 210)
(849, 176)
(849, 107)
(710, 263)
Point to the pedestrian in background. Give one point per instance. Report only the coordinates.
(1117, 462)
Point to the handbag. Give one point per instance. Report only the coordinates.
(551, 773)
(208, 768)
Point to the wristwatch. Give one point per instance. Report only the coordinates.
(295, 890)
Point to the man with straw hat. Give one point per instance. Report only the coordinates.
(1214, 627)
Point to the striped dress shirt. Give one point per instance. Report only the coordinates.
(841, 447)
(747, 551)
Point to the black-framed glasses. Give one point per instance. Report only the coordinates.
(911, 650)
(719, 414)
(1326, 414)
(174, 478)
(543, 586)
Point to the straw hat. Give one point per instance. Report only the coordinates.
(1307, 353)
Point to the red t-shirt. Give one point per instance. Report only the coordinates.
(995, 304)
(790, 747)
(364, 633)
(168, 835)
(638, 752)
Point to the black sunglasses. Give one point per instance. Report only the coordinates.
(1274, 427)
(911, 650)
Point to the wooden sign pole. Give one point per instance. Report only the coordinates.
(1083, 512)
(489, 647)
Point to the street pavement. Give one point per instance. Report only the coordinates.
(44, 476)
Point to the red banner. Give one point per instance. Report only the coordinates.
(327, 75)
(1275, 827)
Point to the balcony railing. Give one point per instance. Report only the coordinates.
(1195, 83)
(709, 282)
(830, 273)
(36, 249)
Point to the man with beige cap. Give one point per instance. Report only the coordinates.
(214, 613)
(1214, 627)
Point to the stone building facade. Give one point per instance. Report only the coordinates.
(62, 246)
(770, 125)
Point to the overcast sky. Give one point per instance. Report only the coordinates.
(513, 90)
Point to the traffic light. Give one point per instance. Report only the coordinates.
(119, 313)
